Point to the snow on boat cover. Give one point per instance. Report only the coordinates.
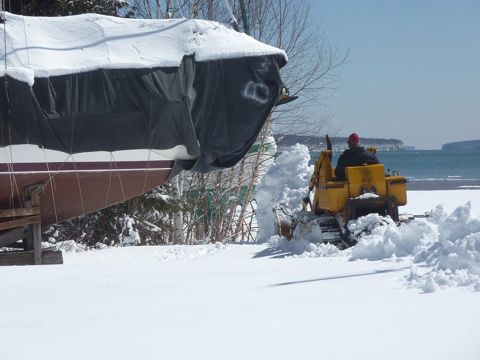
(99, 109)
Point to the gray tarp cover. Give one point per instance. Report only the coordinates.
(214, 108)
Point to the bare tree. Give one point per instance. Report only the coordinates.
(222, 203)
(311, 70)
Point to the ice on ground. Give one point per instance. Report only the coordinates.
(285, 184)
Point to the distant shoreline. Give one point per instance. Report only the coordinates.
(415, 185)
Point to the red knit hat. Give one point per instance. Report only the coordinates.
(354, 139)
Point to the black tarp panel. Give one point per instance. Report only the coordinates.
(215, 109)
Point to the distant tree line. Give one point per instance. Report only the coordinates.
(318, 142)
(469, 145)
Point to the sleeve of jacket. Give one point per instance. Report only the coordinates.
(340, 169)
(373, 159)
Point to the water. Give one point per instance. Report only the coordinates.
(440, 169)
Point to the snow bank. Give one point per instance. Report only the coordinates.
(285, 184)
(141, 254)
(446, 248)
(380, 238)
(444, 254)
(42, 47)
(455, 259)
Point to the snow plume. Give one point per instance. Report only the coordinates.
(285, 184)
(455, 259)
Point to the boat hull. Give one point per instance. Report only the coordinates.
(74, 189)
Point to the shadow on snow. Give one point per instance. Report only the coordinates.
(346, 276)
(274, 253)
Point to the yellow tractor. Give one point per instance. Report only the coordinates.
(366, 189)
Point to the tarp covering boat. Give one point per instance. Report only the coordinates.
(100, 109)
(96, 83)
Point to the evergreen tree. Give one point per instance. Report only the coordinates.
(104, 7)
(70, 7)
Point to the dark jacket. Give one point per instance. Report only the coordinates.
(354, 156)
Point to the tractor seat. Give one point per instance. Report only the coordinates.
(366, 179)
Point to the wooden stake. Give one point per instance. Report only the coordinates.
(37, 229)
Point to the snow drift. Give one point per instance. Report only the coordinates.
(454, 260)
(381, 238)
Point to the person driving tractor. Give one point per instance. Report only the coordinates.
(336, 200)
(355, 155)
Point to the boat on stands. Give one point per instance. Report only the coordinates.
(96, 110)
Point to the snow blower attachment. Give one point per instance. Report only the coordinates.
(366, 189)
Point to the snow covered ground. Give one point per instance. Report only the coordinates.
(229, 302)
(233, 301)
(409, 292)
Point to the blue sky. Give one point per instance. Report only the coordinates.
(413, 71)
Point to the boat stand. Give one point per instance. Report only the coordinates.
(20, 232)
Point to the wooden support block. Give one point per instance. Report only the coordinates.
(37, 228)
(37, 243)
(20, 222)
(20, 212)
(28, 241)
(28, 258)
(31, 236)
